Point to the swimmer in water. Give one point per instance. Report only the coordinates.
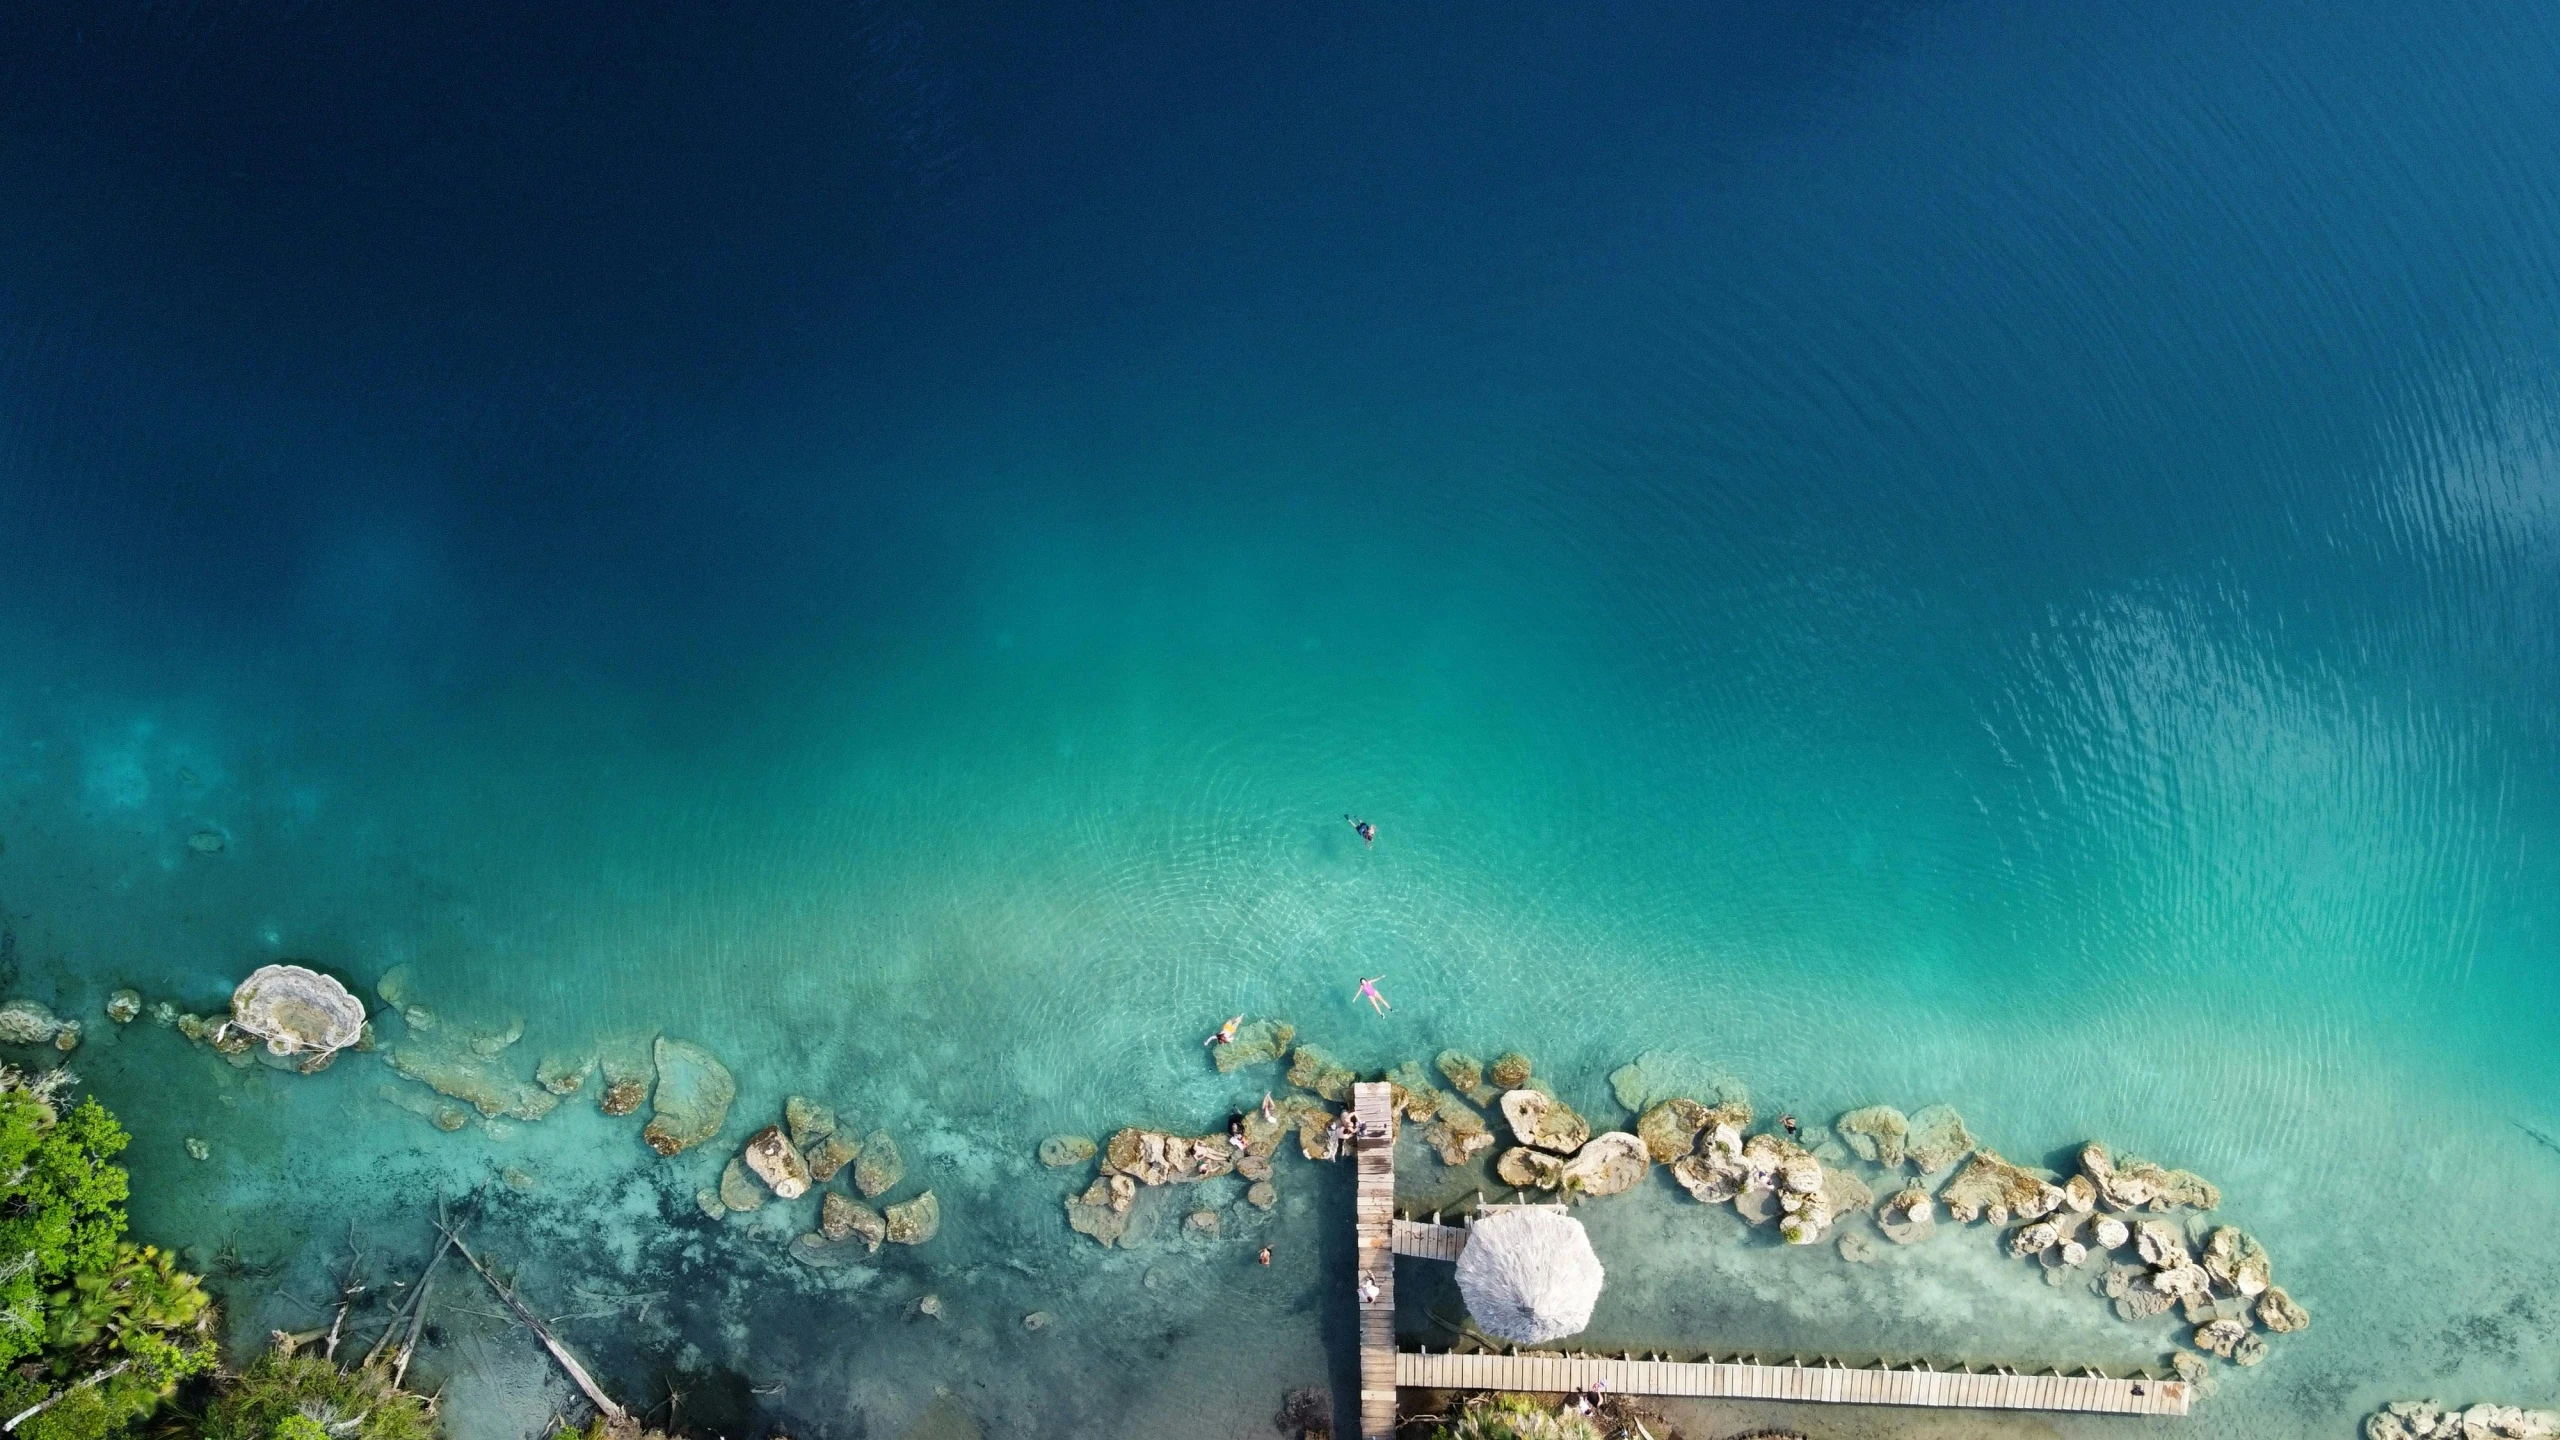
(1367, 832)
(1369, 992)
(1226, 1033)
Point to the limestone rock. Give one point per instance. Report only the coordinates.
(621, 1097)
(1875, 1134)
(1844, 1193)
(880, 1166)
(2034, 1238)
(1990, 1188)
(124, 1005)
(564, 1074)
(2142, 1300)
(1670, 1129)
(810, 1122)
(1094, 1214)
(1060, 1151)
(2129, 1183)
(738, 1189)
(1936, 1140)
(2109, 1233)
(1909, 1217)
(841, 1217)
(1609, 1164)
(1545, 1122)
(1659, 1075)
(1261, 1042)
(2080, 1194)
(2251, 1349)
(1529, 1169)
(1460, 1070)
(457, 1071)
(67, 1039)
(628, 1073)
(1511, 1070)
(833, 1154)
(1203, 1223)
(2070, 1252)
(1313, 1070)
(778, 1163)
(2235, 1258)
(297, 1010)
(1709, 1178)
(1411, 1093)
(708, 1201)
(1457, 1133)
(914, 1222)
(2219, 1337)
(692, 1098)
(2160, 1245)
(2280, 1313)
(1260, 1195)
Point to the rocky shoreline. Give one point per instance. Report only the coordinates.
(2132, 1232)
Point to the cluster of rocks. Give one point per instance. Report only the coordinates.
(1133, 1158)
(806, 1152)
(2426, 1420)
(28, 1022)
(1764, 1177)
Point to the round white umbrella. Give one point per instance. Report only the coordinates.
(1528, 1275)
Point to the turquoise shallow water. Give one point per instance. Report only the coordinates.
(1961, 555)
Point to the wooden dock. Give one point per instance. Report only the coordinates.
(1374, 1213)
(1382, 1237)
(1819, 1384)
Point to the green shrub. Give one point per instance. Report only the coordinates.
(263, 1401)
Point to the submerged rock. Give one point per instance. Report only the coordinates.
(841, 1217)
(1909, 1217)
(1875, 1134)
(738, 1189)
(831, 1155)
(25, 1022)
(807, 1121)
(621, 1097)
(2130, 1183)
(692, 1098)
(2161, 1245)
(1710, 1179)
(124, 1005)
(1609, 1165)
(628, 1073)
(2220, 1337)
(1261, 1196)
(914, 1222)
(1457, 1133)
(1095, 1214)
(1670, 1128)
(1203, 1223)
(1313, 1070)
(1936, 1140)
(471, 1078)
(1460, 1070)
(297, 1011)
(1511, 1070)
(564, 1074)
(1261, 1042)
(778, 1163)
(1529, 1169)
(207, 842)
(2280, 1313)
(1543, 1121)
(2234, 1257)
(880, 1166)
(1990, 1188)
(1410, 1090)
(1060, 1151)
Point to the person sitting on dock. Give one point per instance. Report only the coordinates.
(1368, 1290)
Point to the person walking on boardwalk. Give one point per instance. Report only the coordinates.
(1367, 832)
(1369, 992)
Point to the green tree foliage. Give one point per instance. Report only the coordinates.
(94, 1329)
(306, 1398)
(1514, 1417)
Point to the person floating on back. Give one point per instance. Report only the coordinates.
(1226, 1033)
(1367, 832)
(1369, 992)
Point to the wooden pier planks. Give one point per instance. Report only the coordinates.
(1374, 1215)
(1820, 1384)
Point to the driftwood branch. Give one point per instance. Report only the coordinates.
(58, 1396)
(577, 1373)
(417, 1322)
(414, 1299)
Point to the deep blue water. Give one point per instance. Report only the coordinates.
(1985, 553)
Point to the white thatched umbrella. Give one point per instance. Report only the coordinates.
(1528, 1275)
